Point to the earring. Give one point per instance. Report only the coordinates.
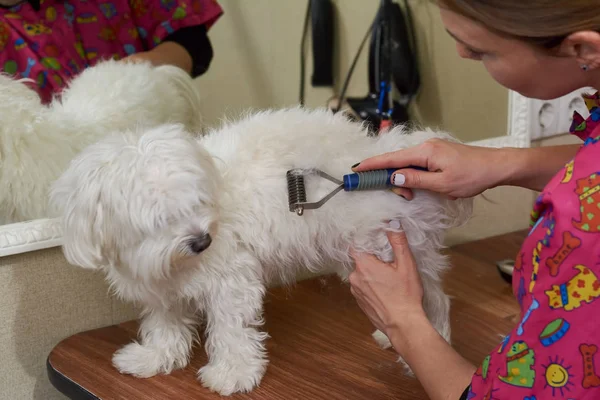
(584, 67)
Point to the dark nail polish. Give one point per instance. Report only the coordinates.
(355, 165)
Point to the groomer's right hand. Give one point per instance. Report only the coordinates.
(453, 169)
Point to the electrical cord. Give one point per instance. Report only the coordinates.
(302, 53)
(413, 41)
(342, 95)
(353, 65)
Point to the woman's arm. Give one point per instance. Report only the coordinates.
(167, 53)
(391, 295)
(188, 48)
(460, 170)
(532, 168)
(443, 373)
(183, 36)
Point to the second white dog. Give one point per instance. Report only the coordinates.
(187, 226)
(37, 141)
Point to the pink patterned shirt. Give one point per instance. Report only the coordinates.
(553, 352)
(65, 36)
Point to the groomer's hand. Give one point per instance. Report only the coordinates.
(454, 169)
(391, 295)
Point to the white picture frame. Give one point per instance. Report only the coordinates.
(42, 234)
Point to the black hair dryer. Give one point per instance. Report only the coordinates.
(392, 61)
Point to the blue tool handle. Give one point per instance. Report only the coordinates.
(372, 180)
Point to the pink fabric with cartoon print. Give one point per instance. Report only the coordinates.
(64, 37)
(554, 350)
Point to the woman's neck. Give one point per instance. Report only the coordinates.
(594, 78)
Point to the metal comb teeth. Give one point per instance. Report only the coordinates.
(296, 190)
(297, 199)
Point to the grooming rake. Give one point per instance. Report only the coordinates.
(359, 181)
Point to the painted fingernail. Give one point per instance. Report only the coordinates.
(355, 165)
(395, 225)
(398, 179)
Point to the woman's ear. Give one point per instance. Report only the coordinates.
(584, 46)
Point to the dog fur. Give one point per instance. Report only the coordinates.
(135, 204)
(37, 141)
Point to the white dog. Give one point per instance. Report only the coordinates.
(184, 226)
(38, 141)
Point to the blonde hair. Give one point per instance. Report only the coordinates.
(544, 23)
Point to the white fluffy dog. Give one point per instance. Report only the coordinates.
(37, 141)
(185, 226)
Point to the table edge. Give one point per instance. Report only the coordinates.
(66, 386)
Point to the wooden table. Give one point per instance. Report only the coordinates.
(320, 345)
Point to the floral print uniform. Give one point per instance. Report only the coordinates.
(553, 353)
(64, 37)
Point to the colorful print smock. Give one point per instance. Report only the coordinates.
(64, 37)
(553, 353)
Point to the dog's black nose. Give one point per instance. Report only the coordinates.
(200, 243)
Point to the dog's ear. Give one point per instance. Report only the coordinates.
(82, 241)
(78, 205)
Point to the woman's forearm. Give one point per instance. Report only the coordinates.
(167, 53)
(443, 372)
(172, 54)
(532, 168)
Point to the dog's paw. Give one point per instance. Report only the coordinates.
(227, 379)
(144, 362)
(381, 339)
(384, 342)
(407, 370)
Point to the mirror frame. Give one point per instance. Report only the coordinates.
(23, 237)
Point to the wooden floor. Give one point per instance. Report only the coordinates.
(320, 346)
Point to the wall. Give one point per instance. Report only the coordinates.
(257, 56)
(42, 301)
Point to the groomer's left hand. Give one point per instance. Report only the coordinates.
(391, 295)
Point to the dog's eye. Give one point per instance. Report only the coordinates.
(200, 243)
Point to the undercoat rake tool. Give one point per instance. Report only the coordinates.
(359, 181)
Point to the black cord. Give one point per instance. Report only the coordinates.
(302, 53)
(353, 65)
(356, 57)
(413, 41)
(411, 26)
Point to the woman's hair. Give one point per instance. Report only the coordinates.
(544, 23)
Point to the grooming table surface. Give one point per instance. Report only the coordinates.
(320, 345)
